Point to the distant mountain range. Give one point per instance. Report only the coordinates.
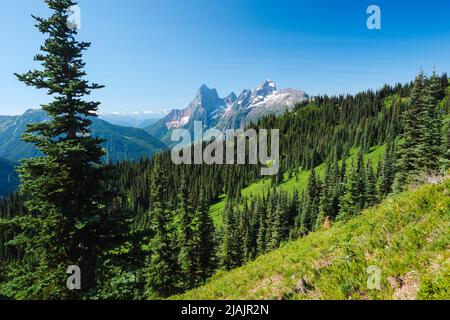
(231, 112)
(126, 141)
(122, 143)
(133, 119)
(9, 180)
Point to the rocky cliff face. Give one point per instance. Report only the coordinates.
(231, 112)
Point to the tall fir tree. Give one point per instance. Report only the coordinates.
(337, 187)
(361, 193)
(350, 199)
(231, 251)
(411, 151)
(312, 202)
(67, 221)
(433, 129)
(421, 148)
(188, 239)
(206, 237)
(245, 233)
(301, 220)
(371, 186)
(270, 213)
(326, 197)
(162, 270)
(387, 172)
(278, 228)
(261, 236)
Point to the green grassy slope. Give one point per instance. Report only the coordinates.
(406, 237)
(299, 181)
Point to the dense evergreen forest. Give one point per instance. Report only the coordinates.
(143, 229)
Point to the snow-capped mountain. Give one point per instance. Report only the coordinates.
(231, 112)
(206, 106)
(254, 104)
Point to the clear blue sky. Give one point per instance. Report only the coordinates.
(154, 54)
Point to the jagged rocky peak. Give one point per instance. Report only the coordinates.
(231, 98)
(232, 111)
(266, 88)
(207, 98)
(245, 92)
(205, 91)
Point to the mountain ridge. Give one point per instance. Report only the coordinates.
(123, 143)
(231, 112)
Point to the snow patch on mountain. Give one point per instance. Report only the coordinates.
(231, 112)
(178, 123)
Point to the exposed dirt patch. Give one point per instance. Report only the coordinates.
(272, 287)
(324, 262)
(394, 282)
(303, 285)
(368, 255)
(407, 287)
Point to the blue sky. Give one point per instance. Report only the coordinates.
(154, 54)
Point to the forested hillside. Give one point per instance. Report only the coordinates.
(121, 143)
(406, 237)
(8, 178)
(365, 120)
(349, 167)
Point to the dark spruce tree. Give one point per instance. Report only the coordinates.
(279, 221)
(206, 238)
(433, 131)
(326, 198)
(371, 186)
(261, 235)
(361, 193)
(162, 270)
(351, 196)
(231, 250)
(410, 151)
(66, 208)
(244, 231)
(188, 239)
(387, 172)
(313, 201)
(421, 147)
